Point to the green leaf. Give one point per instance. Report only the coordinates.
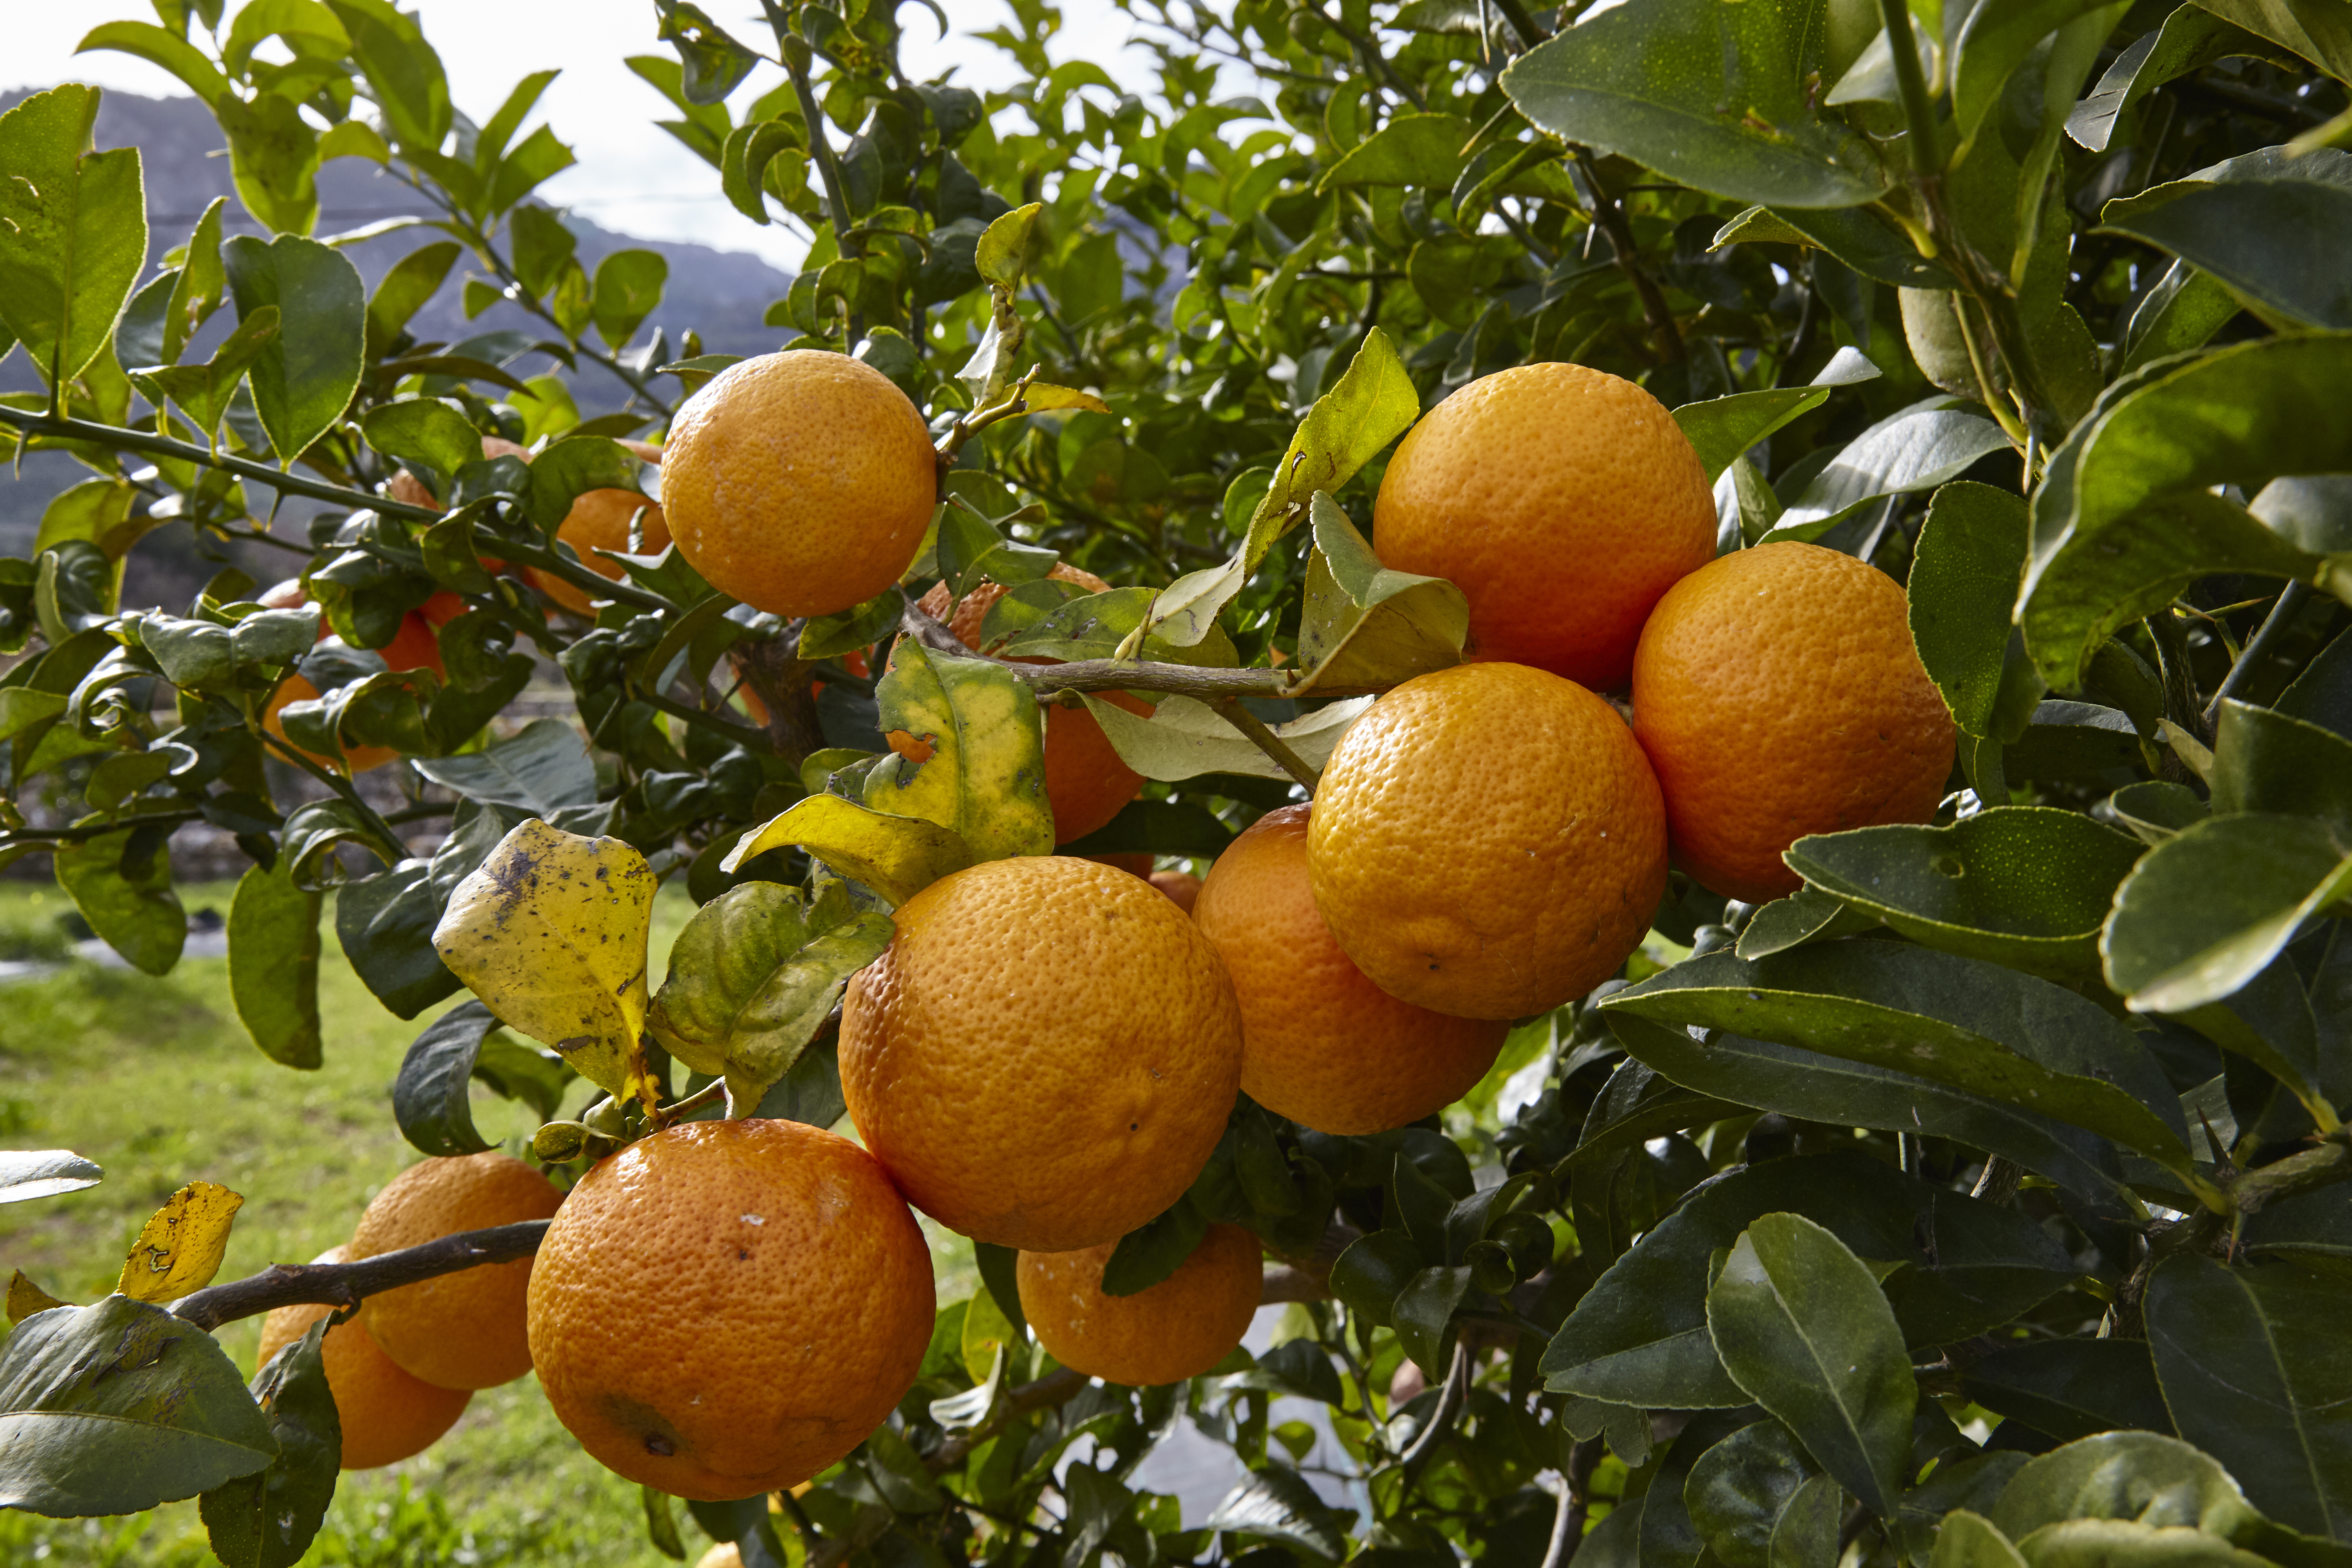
(274, 156)
(2190, 39)
(1410, 149)
(897, 856)
(414, 278)
(2266, 761)
(2321, 694)
(2210, 908)
(1275, 1503)
(754, 975)
(983, 777)
(1963, 584)
(1009, 246)
(1365, 625)
(1150, 1253)
(2122, 520)
(1709, 95)
(426, 431)
(1373, 1271)
(2028, 886)
(1048, 619)
(1636, 1105)
(627, 289)
(713, 61)
(1423, 1315)
(1802, 1327)
(117, 1407)
(384, 923)
(204, 392)
(1183, 739)
(2181, 311)
(2268, 240)
(1916, 449)
(2071, 1388)
(744, 160)
(430, 1098)
(1971, 1541)
(1371, 404)
(404, 74)
(1812, 1085)
(2258, 1374)
(1640, 1337)
(269, 1519)
(543, 769)
(2312, 28)
(73, 230)
(273, 963)
(130, 907)
(570, 470)
(1853, 236)
(1806, 915)
(2139, 1477)
(1987, 1031)
(1721, 428)
(1749, 1488)
(304, 378)
(159, 46)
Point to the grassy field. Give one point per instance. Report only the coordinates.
(155, 1080)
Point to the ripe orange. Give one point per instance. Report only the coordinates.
(1320, 1043)
(1778, 693)
(463, 1330)
(726, 1307)
(1046, 1054)
(386, 1414)
(1562, 502)
(601, 520)
(1181, 887)
(1487, 841)
(800, 482)
(1177, 1328)
(1085, 782)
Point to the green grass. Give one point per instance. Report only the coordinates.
(156, 1081)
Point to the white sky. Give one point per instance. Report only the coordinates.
(632, 176)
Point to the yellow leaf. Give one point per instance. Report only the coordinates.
(25, 1299)
(179, 1249)
(1044, 396)
(551, 935)
(897, 856)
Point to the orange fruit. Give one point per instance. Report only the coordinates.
(1085, 782)
(1320, 1043)
(726, 1307)
(800, 482)
(1045, 1056)
(354, 760)
(1177, 1329)
(601, 520)
(1487, 841)
(1181, 887)
(386, 1414)
(1563, 502)
(463, 1330)
(1778, 693)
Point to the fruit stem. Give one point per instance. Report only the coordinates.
(1231, 710)
(343, 1285)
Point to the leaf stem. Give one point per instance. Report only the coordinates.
(344, 1285)
(1450, 1401)
(2274, 625)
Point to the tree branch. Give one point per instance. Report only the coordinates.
(344, 1285)
(1608, 215)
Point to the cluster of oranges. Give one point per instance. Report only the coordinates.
(1050, 1048)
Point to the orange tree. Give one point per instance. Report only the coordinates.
(1976, 1199)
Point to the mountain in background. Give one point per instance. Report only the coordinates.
(720, 294)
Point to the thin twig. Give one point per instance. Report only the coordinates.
(1231, 710)
(1450, 1400)
(2258, 646)
(1575, 1503)
(188, 452)
(345, 1284)
(1609, 216)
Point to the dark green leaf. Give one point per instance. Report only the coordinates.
(1916, 449)
(1964, 576)
(273, 962)
(2138, 1477)
(2321, 694)
(714, 62)
(1276, 1503)
(2071, 1388)
(1156, 827)
(2122, 520)
(2265, 760)
(543, 769)
(1373, 1271)
(1806, 915)
(131, 907)
(73, 230)
(413, 280)
(2027, 887)
(2182, 312)
(1808, 1084)
(1743, 1492)
(1639, 1336)
(118, 1408)
(1984, 1030)
(2210, 908)
(268, 1521)
(2190, 39)
(2268, 240)
(402, 71)
(1150, 1254)
(1423, 1315)
(753, 976)
(385, 925)
(1721, 428)
(1656, 82)
(1800, 1325)
(204, 392)
(303, 378)
(430, 432)
(570, 470)
(1636, 1105)
(2258, 1374)
(429, 1097)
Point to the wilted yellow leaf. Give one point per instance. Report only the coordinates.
(1044, 396)
(25, 1297)
(179, 1249)
(897, 856)
(551, 935)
